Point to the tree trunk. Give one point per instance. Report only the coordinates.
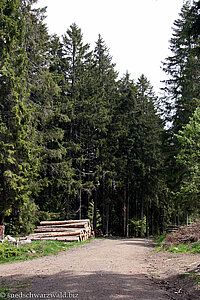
(147, 222)
(142, 217)
(95, 211)
(104, 208)
(178, 218)
(124, 211)
(162, 224)
(127, 212)
(107, 218)
(152, 223)
(80, 205)
(2, 218)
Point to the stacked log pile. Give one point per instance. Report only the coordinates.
(68, 230)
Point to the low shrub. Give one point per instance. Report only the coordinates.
(7, 251)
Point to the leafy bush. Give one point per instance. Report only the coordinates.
(6, 250)
(23, 222)
(29, 217)
(136, 228)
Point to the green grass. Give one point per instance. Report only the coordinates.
(9, 254)
(185, 248)
(159, 239)
(3, 292)
(181, 248)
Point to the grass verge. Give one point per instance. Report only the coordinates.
(180, 248)
(3, 292)
(186, 248)
(9, 254)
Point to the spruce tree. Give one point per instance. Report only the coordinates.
(188, 158)
(148, 148)
(47, 96)
(77, 64)
(104, 101)
(17, 153)
(182, 87)
(182, 93)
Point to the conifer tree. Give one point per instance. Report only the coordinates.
(189, 158)
(18, 163)
(182, 87)
(182, 92)
(148, 148)
(47, 96)
(104, 101)
(77, 58)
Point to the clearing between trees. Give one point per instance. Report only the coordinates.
(104, 269)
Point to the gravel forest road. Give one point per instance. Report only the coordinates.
(103, 269)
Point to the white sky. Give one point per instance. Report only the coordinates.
(137, 32)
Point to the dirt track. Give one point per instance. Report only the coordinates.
(104, 269)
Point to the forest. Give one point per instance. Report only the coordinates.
(77, 141)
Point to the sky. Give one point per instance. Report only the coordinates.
(137, 32)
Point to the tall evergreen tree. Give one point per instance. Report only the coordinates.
(189, 158)
(139, 181)
(47, 85)
(182, 91)
(77, 135)
(148, 146)
(18, 163)
(182, 87)
(104, 100)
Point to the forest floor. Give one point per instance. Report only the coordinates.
(104, 269)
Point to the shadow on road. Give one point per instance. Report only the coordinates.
(143, 242)
(181, 286)
(93, 285)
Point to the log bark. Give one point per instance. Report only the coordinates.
(73, 225)
(53, 234)
(59, 238)
(64, 222)
(69, 230)
(69, 226)
(52, 229)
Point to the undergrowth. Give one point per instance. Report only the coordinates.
(10, 253)
(185, 240)
(161, 245)
(185, 248)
